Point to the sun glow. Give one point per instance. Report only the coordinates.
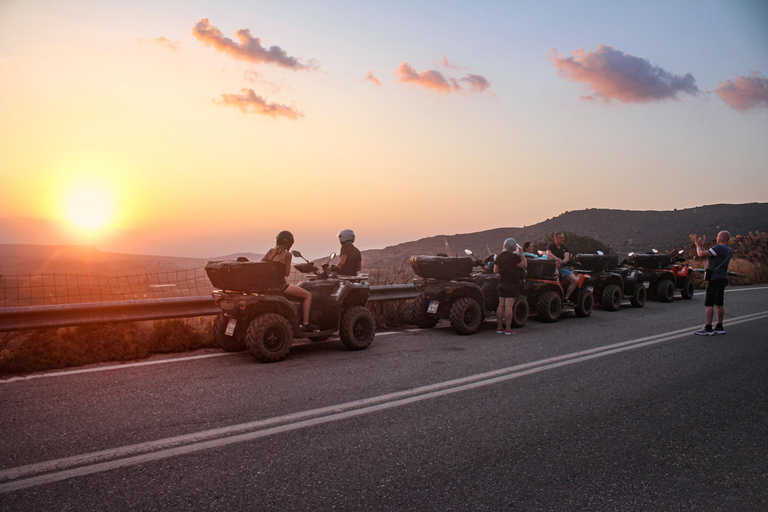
(89, 207)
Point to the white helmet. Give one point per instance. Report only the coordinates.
(346, 235)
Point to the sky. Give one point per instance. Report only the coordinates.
(200, 128)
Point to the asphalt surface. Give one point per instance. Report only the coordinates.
(623, 410)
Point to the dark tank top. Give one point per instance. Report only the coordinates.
(279, 264)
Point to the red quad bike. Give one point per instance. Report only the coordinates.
(257, 315)
(544, 292)
(610, 282)
(663, 276)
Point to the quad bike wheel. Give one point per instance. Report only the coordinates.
(466, 315)
(269, 337)
(419, 315)
(665, 291)
(549, 307)
(688, 289)
(638, 298)
(586, 303)
(234, 343)
(611, 298)
(520, 312)
(357, 328)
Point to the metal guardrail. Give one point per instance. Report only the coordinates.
(69, 315)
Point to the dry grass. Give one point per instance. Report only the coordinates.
(391, 313)
(52, 349)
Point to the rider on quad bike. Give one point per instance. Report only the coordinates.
(544, 289)
(257, 314)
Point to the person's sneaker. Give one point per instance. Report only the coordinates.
(569, 302)
(310, 327)
(706, 331)
(499, 331)
(719, 329)
(509, 332)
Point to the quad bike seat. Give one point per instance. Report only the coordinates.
(540, 269)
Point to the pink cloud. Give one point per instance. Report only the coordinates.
(431, 79)
(251, 103)
(448, 64)
(435, 80)
(249, 48)
(164, 41)
(745, 93)
(614, 75)
(371, 78)
(477, 83)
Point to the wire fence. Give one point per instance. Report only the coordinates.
(51, 289)
(25, 290)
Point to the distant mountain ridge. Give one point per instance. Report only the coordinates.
(623, 230)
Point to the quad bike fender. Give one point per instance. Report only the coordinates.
(245, 307)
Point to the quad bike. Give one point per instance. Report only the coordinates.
(258, 315)
(544, 292)
(447, 292)
(664, 276)
(489, 284)
(612, 283)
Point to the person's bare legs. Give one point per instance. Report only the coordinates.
(303, 294)
(509, 312)
(500, 313)
(572, 281)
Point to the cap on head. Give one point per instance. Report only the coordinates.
(346, 235)
(510, 244)
(285, 238)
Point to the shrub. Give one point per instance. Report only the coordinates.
(53, 349)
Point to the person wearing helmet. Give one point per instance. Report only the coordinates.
(509, 265)
(350, 260)
(281, 256)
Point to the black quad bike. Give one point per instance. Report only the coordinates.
(612, 283)
(450, 289)
(257, 315)
(489, 284)
(544, 292)
(665, 274)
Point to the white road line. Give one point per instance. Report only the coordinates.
(149, 363)
(62, 469)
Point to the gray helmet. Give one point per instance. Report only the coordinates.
(346, 235)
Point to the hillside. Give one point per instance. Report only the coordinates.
(623, 230)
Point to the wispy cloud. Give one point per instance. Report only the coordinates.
(369, 76)
(745, 93)
(164, 41)
(614, 75)
(161, 41)
(251, 103)
(437, 81)
(249, 48)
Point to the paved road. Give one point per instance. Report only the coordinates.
(619, 411)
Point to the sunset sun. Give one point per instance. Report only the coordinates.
(89, 207)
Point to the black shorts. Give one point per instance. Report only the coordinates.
(715, 294)
(509, 290)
